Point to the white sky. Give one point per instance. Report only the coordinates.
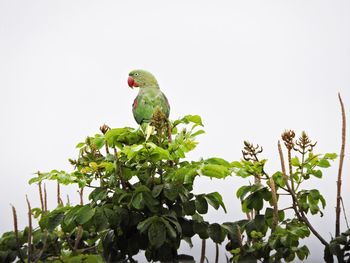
(250, 68)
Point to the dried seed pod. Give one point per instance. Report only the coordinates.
(104, 128)
(288, 137)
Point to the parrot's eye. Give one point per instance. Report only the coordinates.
(136, 74)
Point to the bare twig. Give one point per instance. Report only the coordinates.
(81, 196)
(30, 230)
(283, 166)
(203, 251)
(68, 201)
(275, 205)
(216, 253)
(59, 200)
(78, 238)
(286, 208)
(340, 169)
(345, 217)
(169, 131)
(45, 199)
(104, 129)
(15, 226)
(249, 216)
(41, 198)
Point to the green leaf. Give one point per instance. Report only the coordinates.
(173, 220)
(98, 194)
(295, 161)
(215, 170)
(257, 224)
(279, 179)
(157, 234)
(254, 201)
(236, 164)
(100, 220)
(331, 156)
(201, 204)
(217, 233)
(303, 252)
(80, 144)
(201, 228)
(144, 225)
(324, 163)
(215, 200)
(98, 141)
(171, 191)
(218, 161)
(199, 132)
(157, 189)
(269, 215)
(189, 207)
(150, 201)
(316, 173)
(117, 135)
(93, 259)
(242, 191)
(196, 119)
(69, 218)
(137, 201)
(170, 230)
(51, 220)
(84, 214)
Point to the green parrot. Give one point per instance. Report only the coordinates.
(150, 97)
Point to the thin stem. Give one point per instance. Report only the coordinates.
(15, 225)
(275, 206)
(59, 200)
(81, 196)
(249, 217)
(30, 230)
(345, 217)
(290, 168)
(45, 199)
(203, 251)
(106, 147)
(78, 238)
(340, 169)
(216, 253)
(286, 208)
(41, 198)
(169, 131)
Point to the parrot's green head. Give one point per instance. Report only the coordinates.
(142, 78)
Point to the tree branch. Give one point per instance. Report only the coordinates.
(45, 199)
(203, 251)
(30, 230)
(299, 213)
(15, 225)
(340, 169)
(41, 198)
(216, 253)
(275, 206)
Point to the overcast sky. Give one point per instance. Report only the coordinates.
(250, 68)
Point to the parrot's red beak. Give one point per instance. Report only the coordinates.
(132, 83)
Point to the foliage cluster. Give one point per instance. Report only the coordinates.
(142, 200)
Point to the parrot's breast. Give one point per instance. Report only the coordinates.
(146, 103)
